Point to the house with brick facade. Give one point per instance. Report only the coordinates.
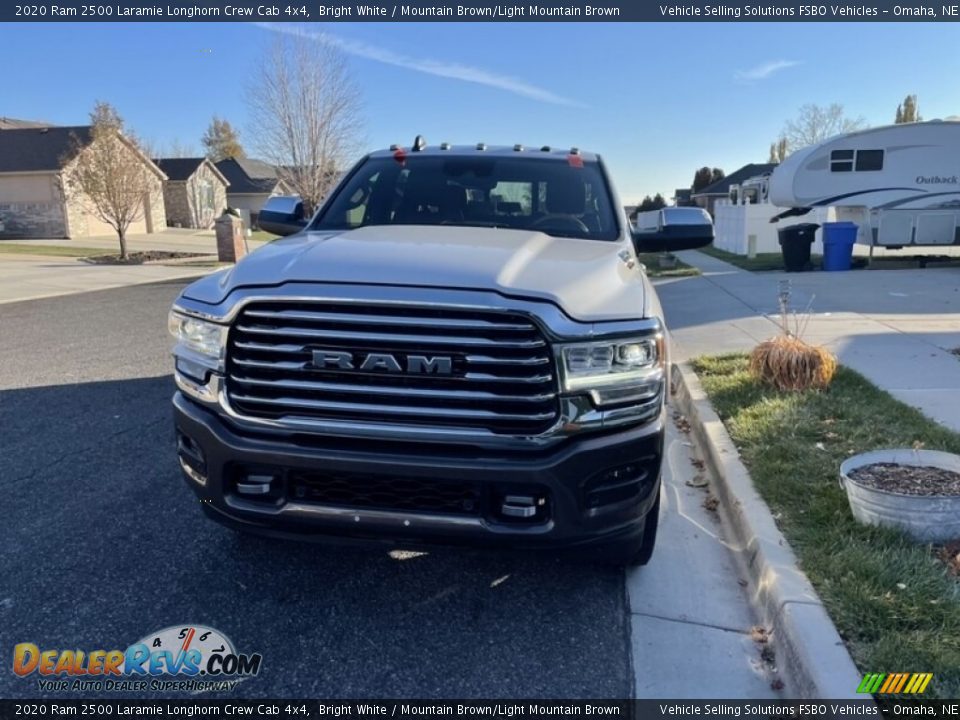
(194, 193)
(34, 200)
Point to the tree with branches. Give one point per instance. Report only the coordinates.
(815, 123)
(222, 141)
(706, 176)
(778, 151)
(908, 111)
(110, 173)
(305, 110)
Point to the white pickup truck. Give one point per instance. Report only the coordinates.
(458, 347)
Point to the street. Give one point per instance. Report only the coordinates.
(101, 543)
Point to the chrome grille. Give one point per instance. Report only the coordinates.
(501, 376)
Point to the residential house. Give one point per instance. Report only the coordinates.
(195, 192)
(252, 182)
(15, 124)
(33, 199)
(707, 197)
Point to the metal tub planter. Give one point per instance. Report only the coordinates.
(924, 517)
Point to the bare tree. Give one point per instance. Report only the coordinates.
(305, 114)
(110, 173)
(815, 123)
(177, 149)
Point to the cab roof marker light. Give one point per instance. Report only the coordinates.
(481, 146)
(394, 147)
(545, 148)
(444, 146)
(574, 151)
(518, 148)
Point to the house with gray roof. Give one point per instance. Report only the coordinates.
(34, 201)
(194, 193)
(251, 183)
(708, 196)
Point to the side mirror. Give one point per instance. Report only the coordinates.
(282, 215)
(671, 229)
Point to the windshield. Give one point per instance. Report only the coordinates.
(567, 198)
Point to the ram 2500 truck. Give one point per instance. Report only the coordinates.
(458, 347)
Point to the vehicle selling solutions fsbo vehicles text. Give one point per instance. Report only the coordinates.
(753, 11)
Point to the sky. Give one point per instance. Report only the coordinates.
(657, 100)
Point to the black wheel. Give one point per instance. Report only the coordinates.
(638, 552)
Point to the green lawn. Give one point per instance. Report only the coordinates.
(652, 262)
(894, 603)
(263, 235)
(762, 261)
(10, 248)
(774, 261)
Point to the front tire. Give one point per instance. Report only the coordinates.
(636, 553)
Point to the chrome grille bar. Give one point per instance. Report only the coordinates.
(497, 371)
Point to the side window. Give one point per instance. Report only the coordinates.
(841, 161)
(357, 203)
(869, 160)
(856, 160)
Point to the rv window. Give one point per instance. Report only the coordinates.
(841, 161)
(869, 160)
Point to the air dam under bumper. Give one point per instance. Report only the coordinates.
(588, 492)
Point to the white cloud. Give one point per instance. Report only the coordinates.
(439, 68)
(764, 70)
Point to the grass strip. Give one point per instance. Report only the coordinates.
(893, 601)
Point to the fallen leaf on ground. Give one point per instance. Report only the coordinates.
(759, 634)
(711, 503)
(777, 684)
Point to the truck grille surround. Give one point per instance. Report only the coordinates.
(439, 367)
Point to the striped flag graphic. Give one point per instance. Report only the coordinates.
(895, 683)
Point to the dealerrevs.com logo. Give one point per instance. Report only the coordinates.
(180, 657)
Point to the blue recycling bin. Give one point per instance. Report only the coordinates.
(838, 241)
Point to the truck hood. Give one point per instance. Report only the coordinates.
(585, 278)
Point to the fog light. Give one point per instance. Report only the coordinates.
(255, 485)
(192, 474)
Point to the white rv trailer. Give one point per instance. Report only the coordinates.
(900, 183)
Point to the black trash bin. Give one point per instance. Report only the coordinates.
(795, 242)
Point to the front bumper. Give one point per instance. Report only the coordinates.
(590, 491)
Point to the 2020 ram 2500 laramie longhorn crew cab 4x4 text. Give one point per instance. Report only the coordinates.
(459, 347)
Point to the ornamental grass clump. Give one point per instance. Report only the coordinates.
(786, 362)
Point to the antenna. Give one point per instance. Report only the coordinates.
(419, 143)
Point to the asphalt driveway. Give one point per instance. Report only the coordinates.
(102, 543)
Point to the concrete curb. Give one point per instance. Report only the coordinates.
(811, 657)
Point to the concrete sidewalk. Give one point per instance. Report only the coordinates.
(171, 239)
(896, 327)
(29, 277)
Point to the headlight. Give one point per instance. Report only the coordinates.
(614, 371)
(205, 338)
